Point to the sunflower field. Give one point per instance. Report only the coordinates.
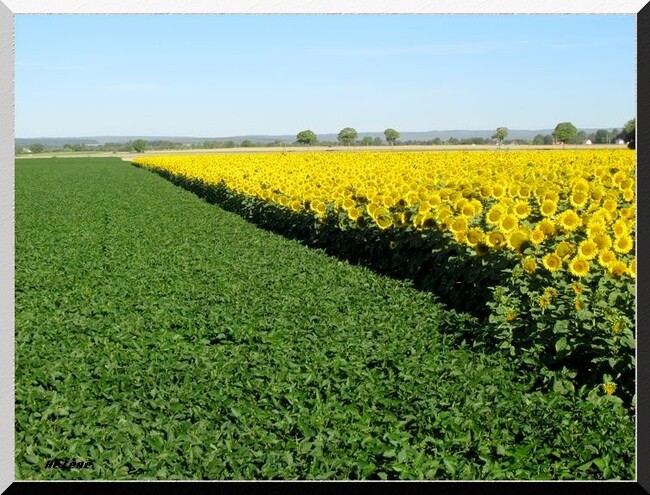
(540, 244)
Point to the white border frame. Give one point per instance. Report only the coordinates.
(8, 8)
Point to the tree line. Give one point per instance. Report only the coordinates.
(564, 133)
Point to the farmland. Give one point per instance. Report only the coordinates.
(160, 336)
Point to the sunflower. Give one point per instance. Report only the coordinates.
(511, 315)
(383, 218)
(518, 240)
(620, 228)
(578, 199)
(606, 258)
(547, 226)
(631, 268)
(623, 244)
(628, 195)
(354, 213)
(481, 249)
(569, 220)
(537, 236)
(543, 302)
(552, 262)
(550, 292)
(495, 239)
(577, 287)
(459, 225)
(588, 249)
(564, 249)
(508, 223)
(521, 210)
(603, 241)
(578, 304)
(579, 267)
(609, 388)
(494, 214)
(474, 236)
(617, 268)
(548, 208)
(529, 265)
(347, 204)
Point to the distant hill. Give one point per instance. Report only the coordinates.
(261, 139)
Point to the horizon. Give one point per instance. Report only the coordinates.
(238, 75)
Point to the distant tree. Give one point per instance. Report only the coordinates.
(366, 141)
(581, 137)
(139, 145)
(246, 143)
(565, 132)
(500, 134)
(37, 148)
(347, 135)
(630, 133)
(377, 141)
(453, 140)
(391, 136)
(228, 144)
(437, 141)
(548, 139)
(538, 139)
(306, 137)
(600, 137)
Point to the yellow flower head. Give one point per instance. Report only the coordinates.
(543, 302)
(474, 236)
(577, 287)
(522, 210)
(609, 388)
(550, 292)
(578, 199)
(579, 267)
(588, 249)
(617, 268)
(548, 208)
(631, 269)
(578, 304)
(459, 225)
(529, 264)
(606, 258)
(496, 239)
(494, 214)
(623, 244)
(354, 213)
(603, 242)
(547, 226)
(569, 220)
(564, 249)
(552, 262)
(508, 223)
(511, 315)
(537, 236)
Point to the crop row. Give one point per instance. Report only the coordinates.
(543, 240)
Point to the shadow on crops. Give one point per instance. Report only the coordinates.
(430, 262)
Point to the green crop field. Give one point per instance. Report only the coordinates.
(161, 337)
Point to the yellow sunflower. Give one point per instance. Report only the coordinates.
(588, 249)
(579, 267)
(552, 262)
(623, 244)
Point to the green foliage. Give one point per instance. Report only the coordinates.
(37, 148)
(306, 137)
(391, 136)
(139, 145)
(347, 135)
(500, 134)
(630, 133)
(565, 132)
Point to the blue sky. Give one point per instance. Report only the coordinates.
(229, 75)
